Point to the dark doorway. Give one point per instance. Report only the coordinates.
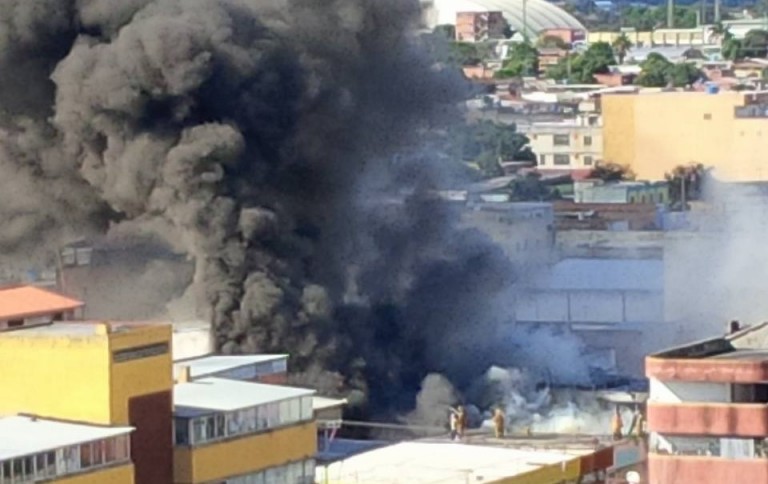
(152, 441)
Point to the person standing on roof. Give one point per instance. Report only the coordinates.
(616, 424)
(498, 423)
(461, 421)
(454, 422)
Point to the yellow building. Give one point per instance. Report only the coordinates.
(655, 132)
(237, 432)
(658, 37)
(37, 450)
(99, 373)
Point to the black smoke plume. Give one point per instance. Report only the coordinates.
(266, 139)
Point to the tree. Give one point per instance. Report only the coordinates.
(621, 46)
(530, 187)
(447, 30)
(523, 60)
(686, 182)
(732, 49)
(755, 44)
(657, 71)
(611, 172)
(468, 53)
(581, 68)
(487, 143)
(552, 42)
(683, 74)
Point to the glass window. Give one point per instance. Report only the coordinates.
(542, 159)
(72, 458)
(40, 466)
(562, 160)
(588, 160)
(86, 458)
(587, 141)
(181, 431)
(199, 430)
(219, 425)
(273, 415)
(306, 408)
(122, 448)
(561, 140)
(98, 452)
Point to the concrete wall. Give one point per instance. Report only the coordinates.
(653, 133)
(542, 144)
(122, 474)
(192, 339)
(679, 391)
(589, 306)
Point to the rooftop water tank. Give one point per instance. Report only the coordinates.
(713, 89)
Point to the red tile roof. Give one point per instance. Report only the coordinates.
(29, 301)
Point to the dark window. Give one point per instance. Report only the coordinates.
(587, 141)
(562, 160)
(561, 140)
(588, 160)
(15, 323)
(181, 429)
(140, 352)
(707, 116)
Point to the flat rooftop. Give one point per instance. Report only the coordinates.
(445, 462)
(18, 302)
(63, 329)
(211, 365)
(324, 403)
(746, 343)
(224, 395)
(22, 436)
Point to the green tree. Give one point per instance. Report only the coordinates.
(468, 53)
(755, 44)
(657, 71)
(523, 60)
(611, 172)
(530, 187)
(651, 18)
(581, 68)
(731, 49)
(447, 31)
(686, 182)
(683, 74)
(621, 46)
(487, 143)
(551, 42)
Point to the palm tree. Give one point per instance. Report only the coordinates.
(719, 33)
(621, 46)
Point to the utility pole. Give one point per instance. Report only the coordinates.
(525, 19)
(670, 14)
(717, 10)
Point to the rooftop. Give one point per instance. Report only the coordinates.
(746, 343)
(446, 462)
(211, 365)
(22, 436)
(324, 403)
(70, 329)
(26, 301)
(223, 395)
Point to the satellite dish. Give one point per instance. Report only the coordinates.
(632, 477)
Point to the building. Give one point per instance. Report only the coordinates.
(708, 409)
(613, 218)
(567, 35)
(22, 306)
(479, 26)
(240, 432)
(41, 450)
(574, 144)
(105, 374)
(527, 16)
(596, 191)
(658, 37)
(523, 230)
(478, 459)
(253, 368)
(550, 57)
(653, 133)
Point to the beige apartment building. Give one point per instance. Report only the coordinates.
(574, 144)
(655, 132)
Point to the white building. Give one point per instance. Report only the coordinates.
(574, 144)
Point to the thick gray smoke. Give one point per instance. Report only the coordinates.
(261, 138)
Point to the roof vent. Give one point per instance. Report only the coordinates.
(734, 327)
(185, 375)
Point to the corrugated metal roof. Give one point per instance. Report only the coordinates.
(25, 301)
(604, 274)
(226, 395)
(21, 436)
(211, 365)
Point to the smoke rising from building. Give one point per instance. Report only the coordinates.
(258, 137)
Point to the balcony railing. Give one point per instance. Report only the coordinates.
(720, 419)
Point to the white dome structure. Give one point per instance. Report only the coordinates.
(539, 14)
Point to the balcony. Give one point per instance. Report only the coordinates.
(726, 419)
(684, 469)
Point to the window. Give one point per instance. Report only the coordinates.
(561, 160)
(122, 448)
(707, 116)
(542, 159)
(86, 457)
(561, 140)
(588, 160)
(587, 141)
(15, 323)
